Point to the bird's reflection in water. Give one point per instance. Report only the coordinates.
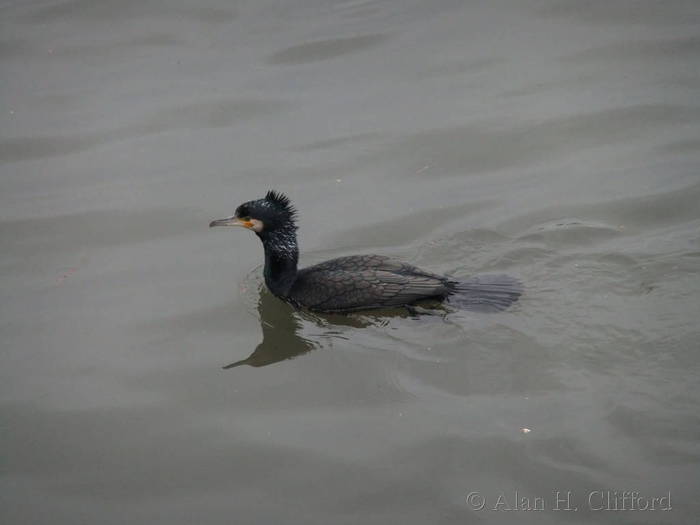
(282, 325)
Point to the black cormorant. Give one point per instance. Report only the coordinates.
(356, 282)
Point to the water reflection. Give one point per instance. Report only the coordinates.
(280, 324)
(282, 327)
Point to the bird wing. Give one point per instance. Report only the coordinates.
(358, 263)
(333, 289)
(353, 263)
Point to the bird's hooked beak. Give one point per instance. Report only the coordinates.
(231, 221)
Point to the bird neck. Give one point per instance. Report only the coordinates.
(281, 257)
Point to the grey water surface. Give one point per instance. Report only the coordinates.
(554, 140)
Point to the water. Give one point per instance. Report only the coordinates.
(552, 140)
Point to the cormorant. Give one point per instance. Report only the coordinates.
(356, 282)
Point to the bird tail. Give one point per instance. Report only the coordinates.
(485, 293)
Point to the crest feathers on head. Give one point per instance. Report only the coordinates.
(281, 200)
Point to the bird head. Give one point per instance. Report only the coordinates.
(272, 213)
